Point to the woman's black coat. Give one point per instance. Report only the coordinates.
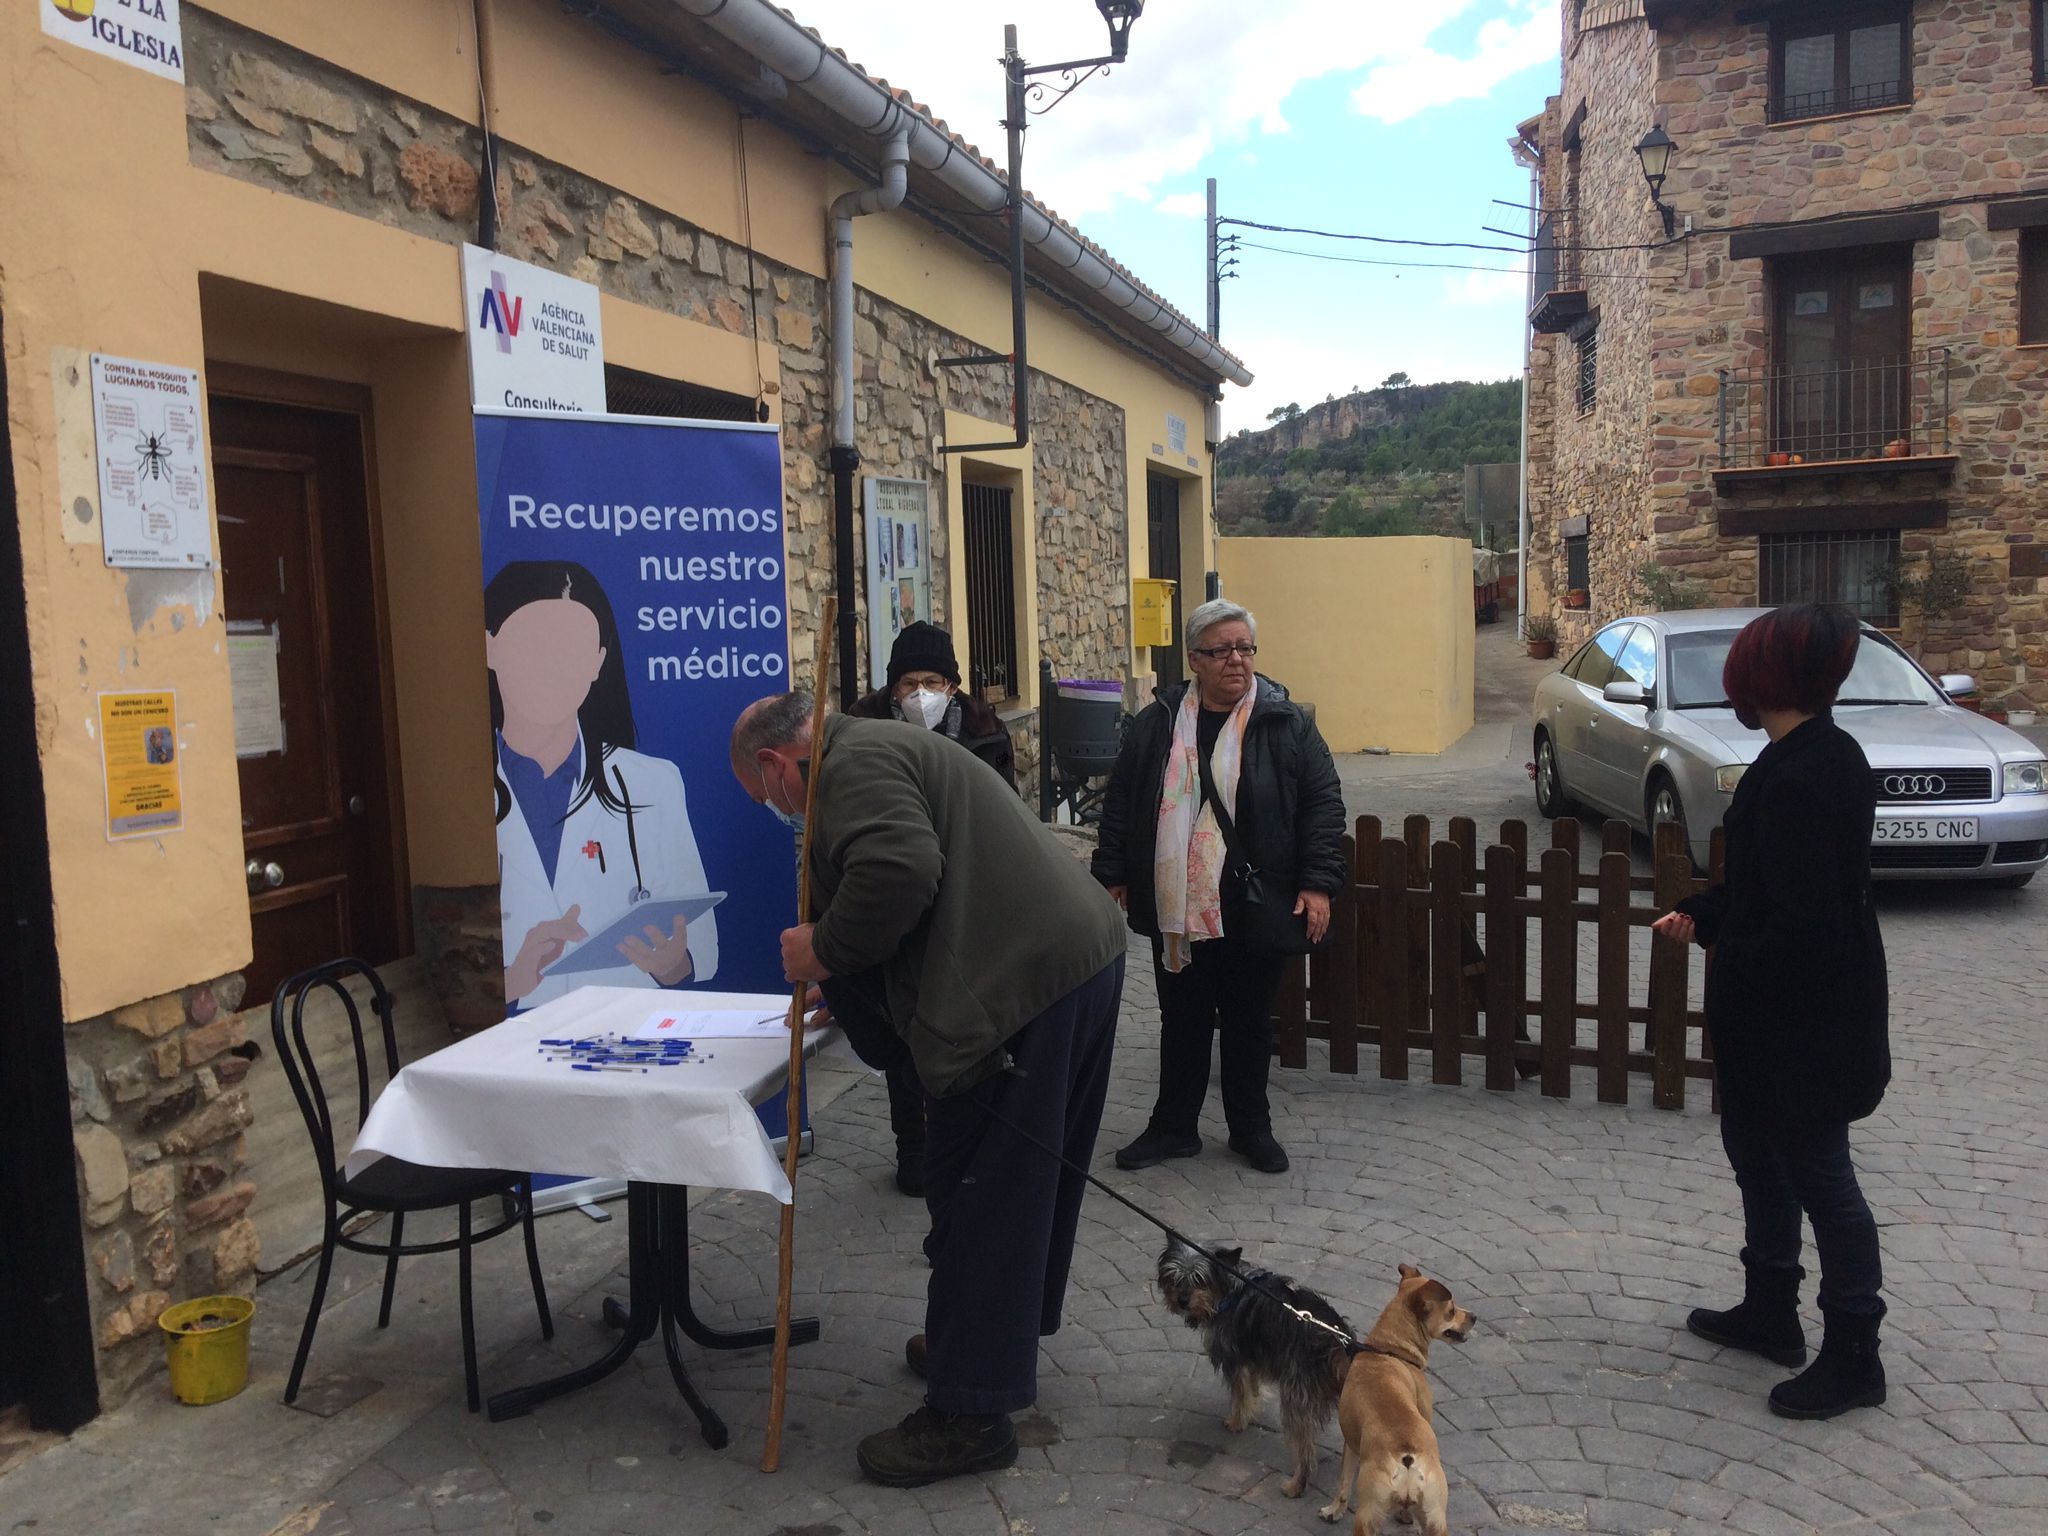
(1289, 812)
(1796, 990)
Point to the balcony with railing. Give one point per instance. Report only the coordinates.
(1560, 272)
(1884, 416)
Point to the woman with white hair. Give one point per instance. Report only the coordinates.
(1222, 838)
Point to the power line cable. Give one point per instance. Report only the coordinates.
(1442, 245)
(1442, 266)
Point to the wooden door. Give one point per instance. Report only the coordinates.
(318, 833)
(1844, 333)
(1162, 523)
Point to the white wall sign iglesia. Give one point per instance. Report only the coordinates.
(145, 33)
(536, 342)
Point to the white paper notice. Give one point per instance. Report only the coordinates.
(697, 1024)
(252, 674)
(152, 464)
(145, 33)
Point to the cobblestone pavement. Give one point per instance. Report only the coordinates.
(1579, 1233)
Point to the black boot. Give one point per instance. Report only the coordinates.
(1155, 1147)
(1845, 1374)
(1767, 1320)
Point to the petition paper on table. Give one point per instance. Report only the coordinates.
(722, 1024)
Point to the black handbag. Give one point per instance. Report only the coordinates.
(1254, 907)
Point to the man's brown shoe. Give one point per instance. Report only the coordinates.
(914, 1357)
(930, 1446)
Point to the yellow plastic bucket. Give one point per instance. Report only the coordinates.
(206, 1342)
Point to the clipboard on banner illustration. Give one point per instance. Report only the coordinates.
(600, 952)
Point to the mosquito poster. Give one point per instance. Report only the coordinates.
(151, 445)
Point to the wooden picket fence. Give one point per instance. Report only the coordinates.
(1432, 952)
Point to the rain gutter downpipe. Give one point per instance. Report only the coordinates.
(845, 456)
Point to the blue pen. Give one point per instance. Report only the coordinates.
(592, 1066)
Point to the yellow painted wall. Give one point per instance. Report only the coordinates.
(112, 241)
(1376, 633)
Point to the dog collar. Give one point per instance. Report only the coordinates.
(1367, 1347)
(1246, 1281)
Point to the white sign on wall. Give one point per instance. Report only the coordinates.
(145, 33)
(899, 566)
(151, 447)
(536, 342)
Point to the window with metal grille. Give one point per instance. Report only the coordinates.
(991, 590)
(628, 392)
(1589, 369)
(1855, 570)
(1577, 564)
(2034, 285)
(1846, 59)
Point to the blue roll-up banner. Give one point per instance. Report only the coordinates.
(633, 605)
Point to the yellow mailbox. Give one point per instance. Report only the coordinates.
(1152, 611)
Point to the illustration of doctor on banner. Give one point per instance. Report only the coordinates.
(593, 837)
(633, 605)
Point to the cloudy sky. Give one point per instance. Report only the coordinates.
(1385, 117)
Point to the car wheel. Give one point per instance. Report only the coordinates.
(1667, 805)
(1551, 798)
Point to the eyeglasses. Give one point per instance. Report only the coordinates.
(1224, 652)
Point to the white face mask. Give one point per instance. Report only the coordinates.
(928, 705)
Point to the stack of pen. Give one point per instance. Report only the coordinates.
(621, 1053)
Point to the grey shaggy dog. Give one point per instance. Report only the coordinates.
(1255, 1342)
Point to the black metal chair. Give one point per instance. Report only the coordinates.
(1079, 743)
(391, 1185)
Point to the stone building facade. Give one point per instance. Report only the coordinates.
(1826, 382)
(291, 214)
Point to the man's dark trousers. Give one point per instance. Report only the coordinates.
(1003, 1212)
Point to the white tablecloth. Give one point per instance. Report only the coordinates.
(494, 1100)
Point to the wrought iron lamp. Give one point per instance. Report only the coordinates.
(1655, 152)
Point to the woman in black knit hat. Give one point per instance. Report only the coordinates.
(923, 688)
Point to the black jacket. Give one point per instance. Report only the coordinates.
(1289, 811)
(980, 731)
(1796, 992)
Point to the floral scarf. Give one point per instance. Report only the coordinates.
(1189, 855)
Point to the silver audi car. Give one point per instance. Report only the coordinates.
(1635, 726)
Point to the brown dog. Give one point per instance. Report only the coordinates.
(1389, 1445)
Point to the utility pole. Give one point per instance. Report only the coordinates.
(1215, 280)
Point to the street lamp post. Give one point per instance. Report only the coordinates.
(1019, 93)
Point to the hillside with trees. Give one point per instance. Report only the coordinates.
(1376, 462)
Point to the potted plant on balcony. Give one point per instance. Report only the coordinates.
(1539, 631)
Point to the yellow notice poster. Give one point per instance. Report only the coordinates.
(139, 744)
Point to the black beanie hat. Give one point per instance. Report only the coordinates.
(923, 647)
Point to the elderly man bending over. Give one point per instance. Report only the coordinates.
(950, 914)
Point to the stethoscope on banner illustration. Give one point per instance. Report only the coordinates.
(639, 892)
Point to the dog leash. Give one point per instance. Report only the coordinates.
(1251, 1279)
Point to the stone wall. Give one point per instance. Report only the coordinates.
(1975, 132)
(1595, 464)
(157, 1112)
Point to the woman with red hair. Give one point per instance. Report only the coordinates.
(1796, 1003)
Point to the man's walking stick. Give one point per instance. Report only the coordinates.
(793, 1103)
